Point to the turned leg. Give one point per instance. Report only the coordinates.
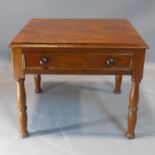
(133, 107)
(22, 114)
(118, 81)
(37, 79)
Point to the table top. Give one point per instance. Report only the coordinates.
(117, 33)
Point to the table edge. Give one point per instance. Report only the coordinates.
(124, 46)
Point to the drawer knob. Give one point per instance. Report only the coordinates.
(43, 61)
(110, 62)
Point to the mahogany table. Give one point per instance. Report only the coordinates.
(78, 46)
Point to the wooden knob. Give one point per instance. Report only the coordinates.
(43, 61)
(110, 62)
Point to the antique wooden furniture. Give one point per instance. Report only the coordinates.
(78, 46)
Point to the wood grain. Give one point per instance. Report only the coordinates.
(133, 108)
(17, 61)
(37, 79)
(79, 46)
(118, 82)
(94, 32)
(22, 114)
(78, 60)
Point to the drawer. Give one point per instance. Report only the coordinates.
(53, 61)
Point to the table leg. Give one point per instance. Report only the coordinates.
(22, 114)
(133, 107)
(37, 79)
(118, 82)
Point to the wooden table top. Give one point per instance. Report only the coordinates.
(117, 33)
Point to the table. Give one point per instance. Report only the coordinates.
(78, 46)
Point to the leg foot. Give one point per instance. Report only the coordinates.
(117, 91)
(37, 91)
(24, 135)
(118, 81)
(37, 79)
(130, 136)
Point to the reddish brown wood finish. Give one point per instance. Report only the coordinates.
(137, 75)
(22, 115)
(133, 107)
(118, 82)
(37, 79)
(112, 32)
(78, 46)
(122, 61)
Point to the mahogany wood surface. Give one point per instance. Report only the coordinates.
(21, 101)
(118, 82)
(78, 46)
(37, 79)
(133, 107)
(79, 60)
(111, 32)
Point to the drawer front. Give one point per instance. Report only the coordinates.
(53, 61)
